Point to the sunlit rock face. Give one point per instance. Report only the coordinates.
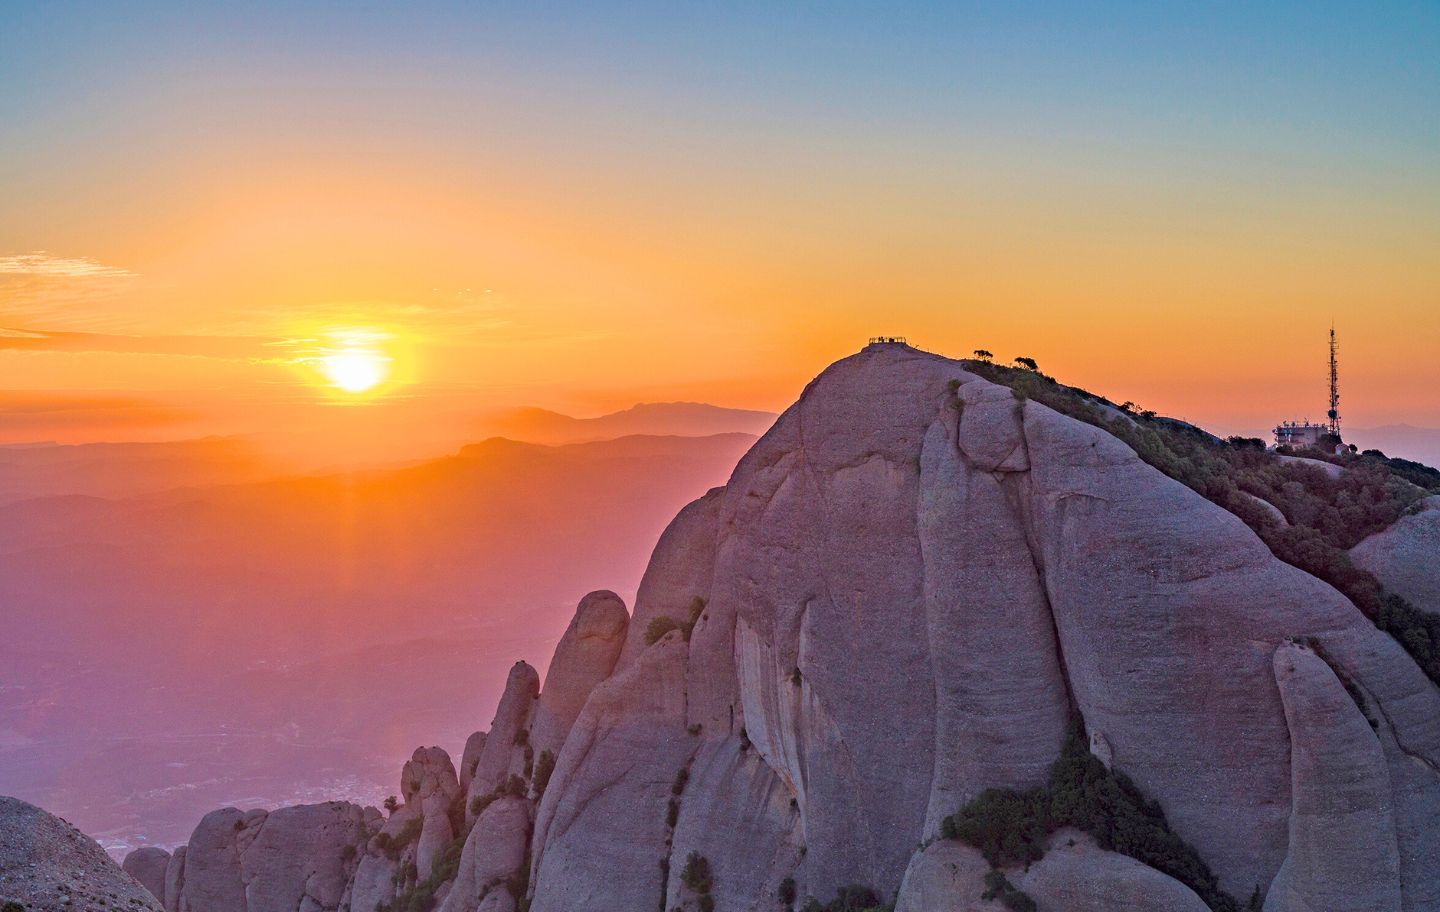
(148, 866)
(906, 591)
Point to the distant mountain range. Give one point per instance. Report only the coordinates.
(125, 469)
(1421, 444)
(690, 419)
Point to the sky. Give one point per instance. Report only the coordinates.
(581, 207)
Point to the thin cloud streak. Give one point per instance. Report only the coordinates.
(41, 263)
(230, 348)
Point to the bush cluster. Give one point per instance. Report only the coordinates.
(1417, 631)
(1010, 827)
(544, 769)
(512, 787)
(392, 846)
(420, 895)
(998, 886)
(852, 898)
(658, 627)
(697, 877)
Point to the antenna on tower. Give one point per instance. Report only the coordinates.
(1334, 413)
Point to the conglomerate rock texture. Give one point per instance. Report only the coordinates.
(45, 864)
(906, 591)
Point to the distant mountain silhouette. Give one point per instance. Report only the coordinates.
(125, 469)
(690, 419)
(1420, 444)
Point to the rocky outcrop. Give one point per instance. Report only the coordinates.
(428, 784)
(503, 752)
(1343, 853)
(471, 757)
(45, 863)
(297, 858)
(945, 875)
(1077, 876)
(148, 866)
(585, 656)
(494, 856)
(1405, 558)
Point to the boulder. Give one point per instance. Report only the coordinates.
(945, 875)
(1075, 875)
(148, 866)
(374, 882)
(45, 864)
(428, 783)
(1405, 558)
(1078, 876)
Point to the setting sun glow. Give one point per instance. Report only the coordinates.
(358, 365)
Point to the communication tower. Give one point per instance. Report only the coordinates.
(1334, 413)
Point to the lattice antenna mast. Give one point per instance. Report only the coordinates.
(1334, 413)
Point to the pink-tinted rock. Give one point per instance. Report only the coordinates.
(148, 865)
(585, 656)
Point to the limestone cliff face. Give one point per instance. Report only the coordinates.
(905, 591)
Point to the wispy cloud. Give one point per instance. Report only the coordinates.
(42, 263)
(64, 292)
(237, 348)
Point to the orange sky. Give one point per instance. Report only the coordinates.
(627, 224)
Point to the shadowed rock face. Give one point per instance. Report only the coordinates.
(45, 863)
(904, 592)
(148, 866)
(299, 857)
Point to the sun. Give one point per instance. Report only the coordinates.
(355, 370)
(355, 363)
